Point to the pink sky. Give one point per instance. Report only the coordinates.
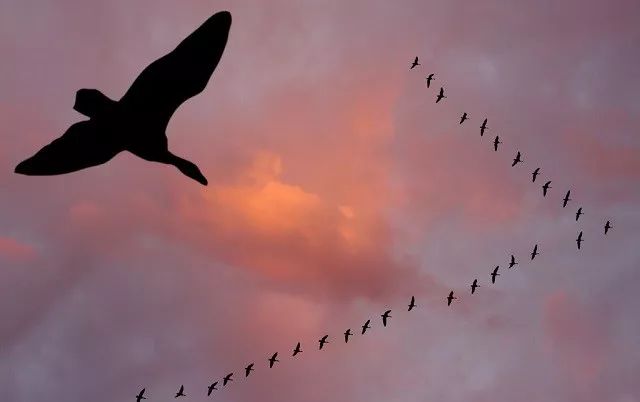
(337, 189)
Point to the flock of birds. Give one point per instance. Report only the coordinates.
(412, 304)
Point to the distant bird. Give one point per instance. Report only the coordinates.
(545, 188)
(440, 95)
(566, 199)
(483, 127)
(137, 122)
(496, 142)
(140, 395)
(297, 349)
(450, 298)
(415, 63)
(248, 370)
(412, 303)
(180, 392)
(474, 285)
(322, 341)
(516, 160)
(494, 274)
(607, 226)
(535, 174)
(579, 213)
(347, 334)
(211, 388)
(512, 262)
(579, 240)
(366, 326)
(273, 360)
(227, 378)
(429, 79)
(534, 252)
(387, 314)
(463, 118)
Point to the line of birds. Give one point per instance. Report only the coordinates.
(412, 304)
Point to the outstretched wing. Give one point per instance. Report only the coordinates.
(183, 73)
(83, 145)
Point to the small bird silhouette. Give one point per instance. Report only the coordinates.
(248, 370)
(322, 341)
(273, 360)
(227, 378)
(607, 226)
(211, 388)
(566, 199)
(366, 326)
(579, 240)
(450, 298)
(474, 285)
(297, 349)
(415, 63)
(534, 252)
(579, 213)
(140, 395)
(496, 142)
(180, 392)
(494, 274)
(464, 117)
(545, 188)
(516, 160)
(535, 174)
(483, 127)
(440, 95)
(387, 314)
(412, 303)
(512, 262)
(347, 334)
(429, 79)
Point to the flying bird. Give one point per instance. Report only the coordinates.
(137, 122)
(412, 303)
(211, 388)
(347, 334)
(483, 127)
(322, 341)
(180, 392)
(226, 379)
(607, 226)
(535, 174)
(440, 95)
(545, 188)
(534, 252)
(297, 349)
(140, 395)
(415, 63)
(566, 199)
(579, 213)
(366, 326)
(429, 79)
(512, 262)
(496, 142)
(494, 274)
(248, 370)
(387, 314)
(579, 240)
(450, 298)
(463, 118)
(273, 360)
(516, 160)
(474, 285)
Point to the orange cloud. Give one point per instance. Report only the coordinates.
(14, 250)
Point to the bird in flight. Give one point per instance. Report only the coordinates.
(273, 360)
(211, 388)
(494, 274)
(412, 303)
(450, 298)
(545, 188)
(474, 285)
(248, 370)
(579, 240)
(512, 262)
(140, 395)
(322, 341)
(347, 334)
(297, 349)
(440, 95)
(496, 142)
(579, 213)
(429, 79)
(366, 326)
(534, 252)
(483, 127)
(463, 118)
(566, 199)
(180, 392)
(516, 160)
(137, 122)
(535, 174)
(415, 63)
(227, 378)
(607, 226)
(387, 314)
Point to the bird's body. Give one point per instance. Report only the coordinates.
(347, 334)
(414, 64)
(579, 240)
(496, 141)
(248, 370)
(137, 122)
(463, 118)
(474, 285)
(579, 213)
(535, 174)
(494, 274)
(566, 199)
(483, 127)
(211, 388)
(546, 188)
(440, 95)
(273, 359)
(322, 341)
(387, 314)
(450, 298)
(517, 159)
(297, 349)
(412, 303)
(227, 378)
(429, 79)
(140, 395)
(534, 252)
(366, 326)
(607, 226)
(180, 392)
(512, 262)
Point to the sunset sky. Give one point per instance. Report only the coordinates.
(337, 190)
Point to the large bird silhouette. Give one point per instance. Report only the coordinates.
(137, 122)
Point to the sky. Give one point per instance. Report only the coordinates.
(337, 190)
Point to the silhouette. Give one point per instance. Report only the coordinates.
(579, 213)
(534, 252)
(535, 174)
(545, 188)
(440, 95)
(512, 262)
(347, 334)
(579, 240)
(211, 388)
(140, 395)
(566, 199)
(366, 326)
(412, 303)
(450, 298)
(474, 285)
(415, 63)
(607, 226)
(496, 142)
(429, 79)
(516, 160)
(180, 392)
(322, 341)
(227, 378)
(483, 127)
(248, 370)
(273, 360)
(297, 349)
(387, 314)
(463, 118)
(137, 122)
(494, 274)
